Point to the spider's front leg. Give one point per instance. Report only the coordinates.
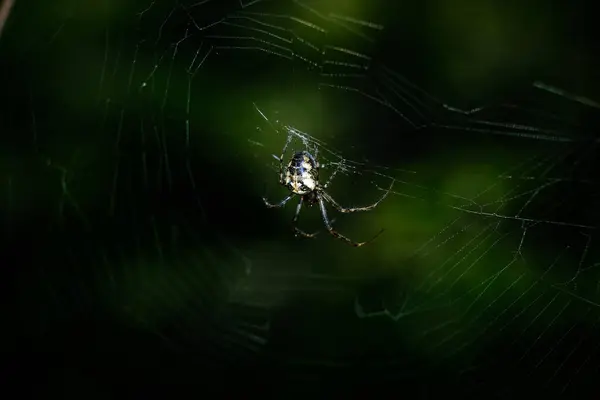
(280, 159)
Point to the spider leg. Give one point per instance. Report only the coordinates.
(338, 235)
(277, 205)
(346, 210)
(332, 176)
(281, 166)
(297, 230)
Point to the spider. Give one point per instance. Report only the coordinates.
(301, 177)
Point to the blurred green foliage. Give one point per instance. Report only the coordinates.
(131, 176)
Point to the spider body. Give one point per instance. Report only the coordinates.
(301, 177)
(302, 174)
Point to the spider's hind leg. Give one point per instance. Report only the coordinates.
(277, 205)
(336, 234)
(346, 210)
(298, 231)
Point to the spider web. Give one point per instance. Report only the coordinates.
(486, 279)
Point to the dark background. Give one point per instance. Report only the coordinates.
(138, 256)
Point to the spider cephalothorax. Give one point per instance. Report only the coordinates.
(301, 178)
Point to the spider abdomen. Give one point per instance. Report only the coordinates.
(302, 173)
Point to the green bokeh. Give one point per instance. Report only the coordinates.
(94, 88)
